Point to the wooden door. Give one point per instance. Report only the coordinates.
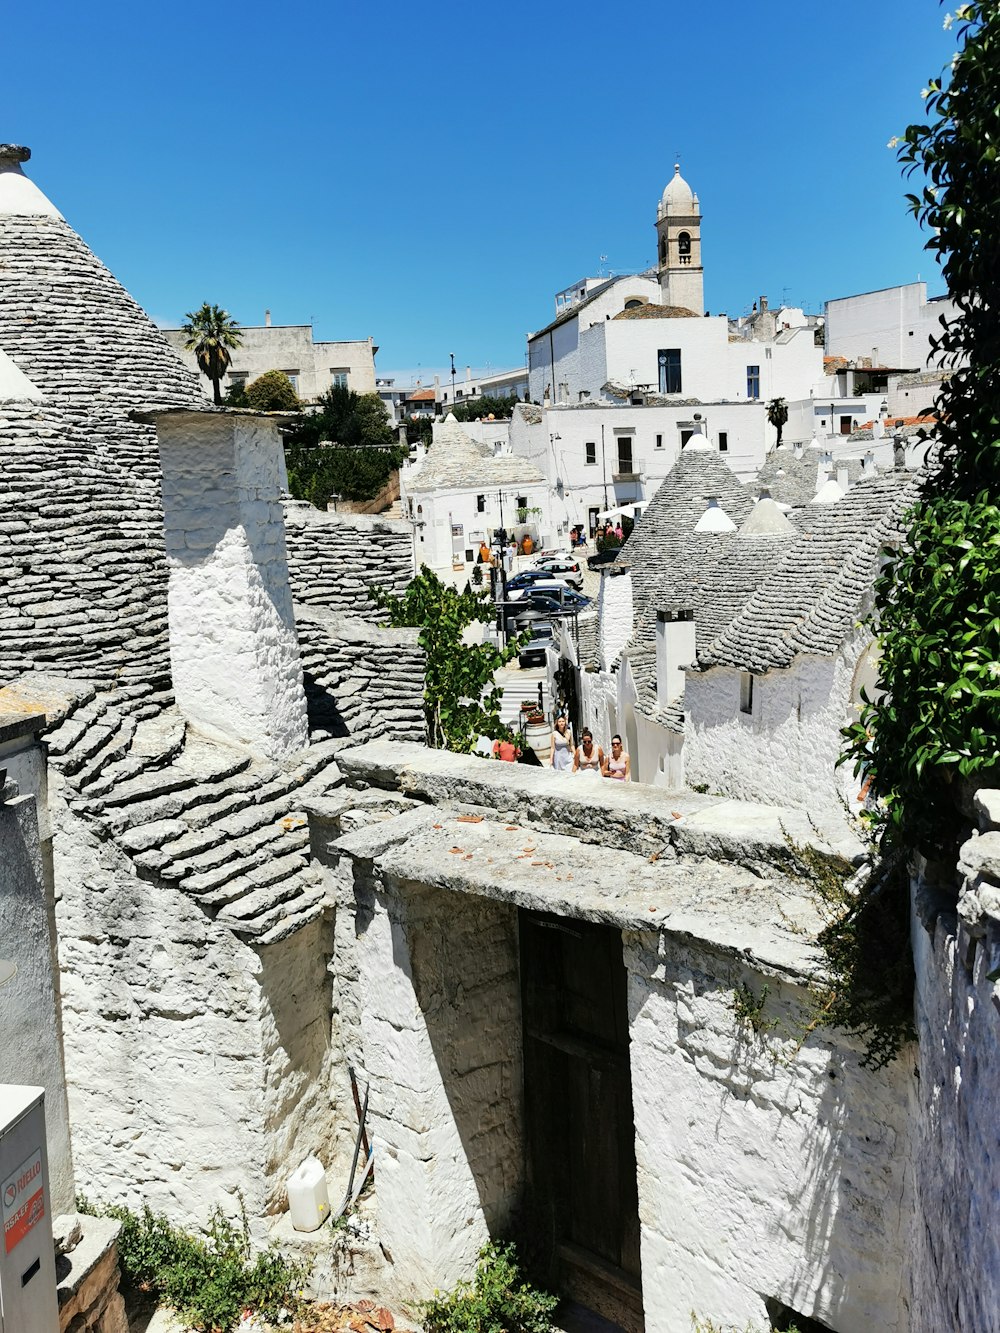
(578, 1107)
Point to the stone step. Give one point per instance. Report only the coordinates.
(242, 862)
(273, 872)
(114, 750)
(268, 909)
(312, 906)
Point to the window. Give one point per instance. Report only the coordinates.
(663, 250)
(723, 441)
(659, 441)
(238, 377)
(686, 434)
(670, 370)
(746, 692)
(684, 247)
(339, 377)
(753, 381)
(591, 452)
(480, 504)
(293, 375)
(633, 303)
(522, 502)
(624, 453)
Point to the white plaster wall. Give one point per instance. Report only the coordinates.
(439, 510)
(233, 646)
(440, 1017)
(786, 751)
(895, 323)
(766, 1169)
(290, 347)
(614, 609)
(31, 1049)
(956, 1234)
(197, 1067)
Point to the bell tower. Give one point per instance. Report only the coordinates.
(678, 240)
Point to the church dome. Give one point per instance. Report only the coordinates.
(678, 196)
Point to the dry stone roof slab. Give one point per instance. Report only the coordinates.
(455, 461)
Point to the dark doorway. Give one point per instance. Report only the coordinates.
(578, 1107)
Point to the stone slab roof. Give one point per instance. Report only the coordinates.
(82, 572)
(455, 461)
(813, 597)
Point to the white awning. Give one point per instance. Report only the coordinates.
(625, 511)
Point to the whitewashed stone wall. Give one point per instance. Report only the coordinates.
(31, 1049)
(440, 1008)
(956, 1236)
(197, 1066)
(785, 752)
(334, 558)
(228, 599)
(765, 1171)
(614, 610)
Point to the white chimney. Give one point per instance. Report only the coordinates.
(675, 650)
(614, 613)
(267, 319)
(843, 477)
(233, 646)
(868, 464)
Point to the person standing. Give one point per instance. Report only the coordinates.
(619, 532)
(588, 758)
(617, 765)
(561, 750)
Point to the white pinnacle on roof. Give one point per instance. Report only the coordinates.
(18, 195)
(767, 520)
(829, 493)
(714, 519)
(697, 444)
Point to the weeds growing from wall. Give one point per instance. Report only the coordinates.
(208, 1279)
(498, 1300)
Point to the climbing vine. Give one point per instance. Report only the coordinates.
(461, 697)
(937, 602)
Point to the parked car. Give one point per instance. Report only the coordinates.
(569, 600)
(551, 587)
(533, 653)
(528, 577)
(543, 582)
(604, 557)
(565, 567)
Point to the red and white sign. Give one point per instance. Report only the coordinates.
(22, 1198)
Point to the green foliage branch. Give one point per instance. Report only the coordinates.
(365, 456)
(471, 409)
(461, 697)
(498, 1300)
(937, 602)
(208, 1279)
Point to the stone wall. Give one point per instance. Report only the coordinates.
(766, 1169)
(334, 558)
(442, 1035)
(197, 1065)
(956, 1236)
(362, 680)
(89, 1299)
(786, 750)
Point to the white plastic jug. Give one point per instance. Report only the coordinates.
(308, 1200)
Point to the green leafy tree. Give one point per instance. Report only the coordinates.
(937, 603)
(212, 333)
(317, 475)
(461, 697)
(271, 392)
(348, 419)
(777, 415)
(473, 408)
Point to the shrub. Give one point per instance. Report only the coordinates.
(209, 1279)
(497, 1301)
(271, 392)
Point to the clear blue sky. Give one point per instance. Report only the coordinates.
(431, 174)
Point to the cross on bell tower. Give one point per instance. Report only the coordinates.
(678, 239)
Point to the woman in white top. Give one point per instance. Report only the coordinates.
(561, 750)
(617, 764)
(588, 758)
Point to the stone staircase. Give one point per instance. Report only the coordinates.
(207, 818)
(519, 687)
(395, 510)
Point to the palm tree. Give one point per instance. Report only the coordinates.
(211, 334)
(777, 415)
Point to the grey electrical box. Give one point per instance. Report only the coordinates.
(28, 1301)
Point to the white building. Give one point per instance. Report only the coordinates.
(459, 492)
(603, 456)
(313, 367)
(890, 327)
(630, 337)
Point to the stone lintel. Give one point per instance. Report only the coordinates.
(13, 726)
(769, 923)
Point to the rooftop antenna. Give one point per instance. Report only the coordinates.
(604, 260)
